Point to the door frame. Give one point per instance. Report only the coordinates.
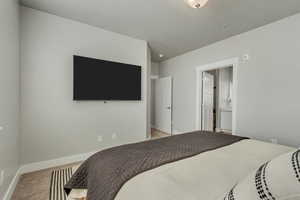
(171, 78)
(234, 62)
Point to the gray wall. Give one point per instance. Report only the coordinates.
(268, 84)
(154, 68)
(154, 72)
(53, 125)
(148, 92)
(9, 88)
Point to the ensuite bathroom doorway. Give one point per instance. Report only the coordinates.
(217, 95)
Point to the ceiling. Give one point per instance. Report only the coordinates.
(170, 26)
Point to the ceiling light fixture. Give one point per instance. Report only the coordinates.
(196, 3)
(161, 55)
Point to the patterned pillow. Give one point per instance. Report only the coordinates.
(278, 179)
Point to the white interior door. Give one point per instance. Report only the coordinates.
(163, 104)
(207, 101)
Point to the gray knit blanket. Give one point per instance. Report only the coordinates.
(104, 173)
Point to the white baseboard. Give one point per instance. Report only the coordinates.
(31, 167)
(176, 132)
(12, 186)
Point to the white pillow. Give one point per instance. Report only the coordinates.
(278, 179)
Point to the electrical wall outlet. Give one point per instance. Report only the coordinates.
(114, 136)
(1, 177)
(100, 138)
(274, 141)
(1, 130)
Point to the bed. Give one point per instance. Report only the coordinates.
(207, 174)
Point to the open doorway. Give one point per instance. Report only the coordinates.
(217, 93)
(216, 100)
(161, 104)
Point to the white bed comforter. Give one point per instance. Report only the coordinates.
(207, 176)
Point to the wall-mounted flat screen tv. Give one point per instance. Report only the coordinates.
(96, 79)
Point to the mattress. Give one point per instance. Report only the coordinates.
(206, 176)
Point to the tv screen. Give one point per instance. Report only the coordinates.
(105, 80)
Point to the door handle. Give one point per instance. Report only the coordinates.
(169, 107)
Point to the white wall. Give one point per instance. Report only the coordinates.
(268, 84)
(155, 69)
(9, 90)
(53, 125)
